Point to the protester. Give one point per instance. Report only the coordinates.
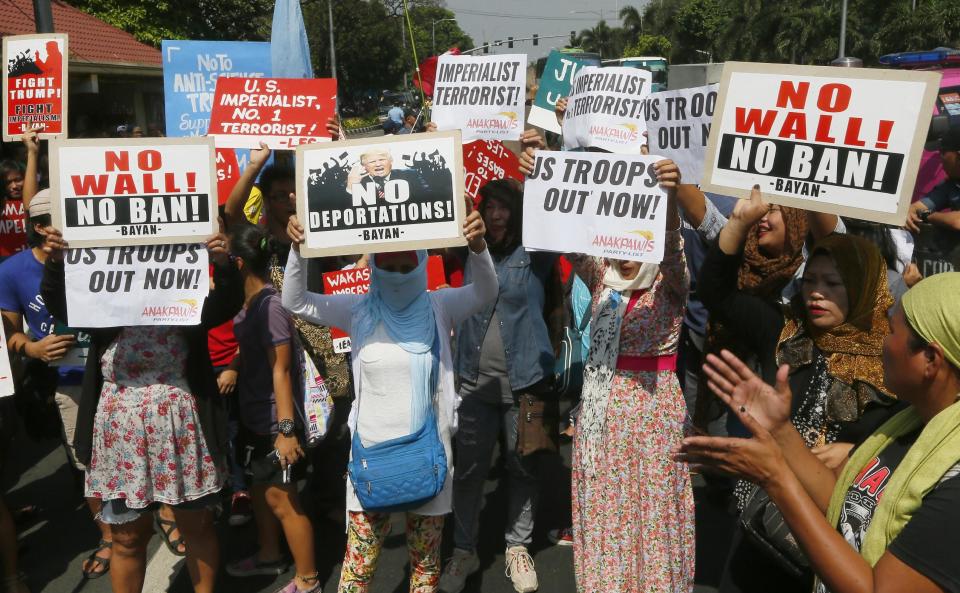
(946, 195)
(270, 386)
(409, 123)
(632, 504)
(831, 339)
(891, 509)
(398, 331)
(505, 364)
(34, 335)
(152, 405)
(19, 186)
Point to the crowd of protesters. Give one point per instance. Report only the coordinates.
(794, 360)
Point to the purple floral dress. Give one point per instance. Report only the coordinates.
(147, 442)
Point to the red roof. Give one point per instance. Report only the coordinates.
(91, 40)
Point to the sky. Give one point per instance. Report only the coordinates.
(490, 20)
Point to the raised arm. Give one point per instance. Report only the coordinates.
(30, 187)
(233, 208)
(332, 310)
(461, 303)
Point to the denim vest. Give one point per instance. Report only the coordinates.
(519, 307)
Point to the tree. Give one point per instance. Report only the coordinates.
(369, 55)
(152, 21)
(632, 20)
(649, 45)
(600, 39)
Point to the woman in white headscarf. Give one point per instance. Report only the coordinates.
(632, 503)
(399, 333)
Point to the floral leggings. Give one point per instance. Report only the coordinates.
(365, 535)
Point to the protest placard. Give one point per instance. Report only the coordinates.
(136, 285)
(842, 140)
(606, 205)
(282, 112)
(606, 109)
(6, 374)
(482, 96)
(357, 281)
(133, 191)
(190, 73)
(558, 73)
(484, 161)
(35, 85)
(381, 194)
(678, 127)
(228, 173)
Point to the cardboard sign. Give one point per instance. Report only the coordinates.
(555, 83)
(228, 173)
(481, 96)
(142, 285)
(606, 109)
(6, 374)
(357, 281)
(842, 140)
(282, 112)
(384, 194)
(606, 205)
(485, 161)
(678, 127)
(190, 73)
(35, 85)
(133, 191)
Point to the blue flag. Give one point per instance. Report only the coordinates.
(289, 49)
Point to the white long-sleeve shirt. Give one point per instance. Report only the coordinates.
(451, 306)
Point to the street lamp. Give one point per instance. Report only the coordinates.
(433, 33)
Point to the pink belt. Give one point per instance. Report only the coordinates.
(648, 364)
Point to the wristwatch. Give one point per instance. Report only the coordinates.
(286, 427)
(923, 215)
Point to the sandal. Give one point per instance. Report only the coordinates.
(97, 561)
(164, 527)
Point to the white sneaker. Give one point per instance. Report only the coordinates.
(460, 566)
(520, 569)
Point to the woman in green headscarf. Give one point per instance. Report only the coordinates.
(889, 519)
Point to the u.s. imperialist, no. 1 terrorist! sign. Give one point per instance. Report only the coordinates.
(136, 191)
(841, 140)
(392, 194)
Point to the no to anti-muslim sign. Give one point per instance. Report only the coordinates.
(133, 191)
(389, 194)
(606, 205)
(35, 85)
(482, 96)
(842, 140)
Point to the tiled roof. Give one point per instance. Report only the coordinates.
(91, 40)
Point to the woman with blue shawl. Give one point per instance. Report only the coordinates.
(400, 334)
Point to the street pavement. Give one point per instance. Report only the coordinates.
(54, 544)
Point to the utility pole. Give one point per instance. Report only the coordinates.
(43, 16)
(333, 50)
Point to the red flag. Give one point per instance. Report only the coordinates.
(428, 71)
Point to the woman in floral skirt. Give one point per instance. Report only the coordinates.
(632, 504)
(151, 426)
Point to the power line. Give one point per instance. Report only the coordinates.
(537, 17)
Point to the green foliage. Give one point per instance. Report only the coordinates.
(353, 123)
(649, 45)
(799, 31)
(152, 21)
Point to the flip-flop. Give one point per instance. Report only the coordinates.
(97, 561)
(164, 528)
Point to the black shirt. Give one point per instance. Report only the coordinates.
(930, 540)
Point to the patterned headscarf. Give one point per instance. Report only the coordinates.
(767, 276)
(854, 348)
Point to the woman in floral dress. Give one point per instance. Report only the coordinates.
(632, 504)
(151, 426)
